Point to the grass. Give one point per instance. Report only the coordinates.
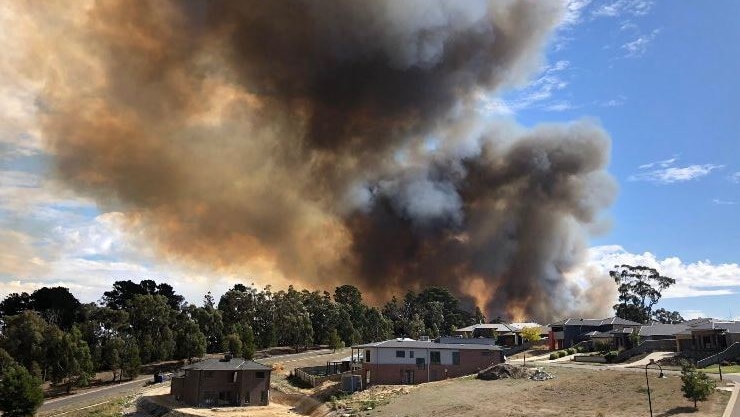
(110, 409)
(732, 369)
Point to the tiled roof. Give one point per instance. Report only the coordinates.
(230, 365)
(498, 327)
(658, 329)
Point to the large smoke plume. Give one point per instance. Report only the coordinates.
(327, 141)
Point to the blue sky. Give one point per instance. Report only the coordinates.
(660, 77)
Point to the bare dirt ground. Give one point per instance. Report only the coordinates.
(161, 396)
(573, 392)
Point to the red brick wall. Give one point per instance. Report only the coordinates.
(471, 361)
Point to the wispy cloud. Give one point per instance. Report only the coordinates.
(624, 7)
(574, 12)
(614, 102)
(735, 177)
(538, 94)
(664, 172)
(637, 47)
(718, 202)
(663, 164)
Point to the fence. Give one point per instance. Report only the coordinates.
(316, 375)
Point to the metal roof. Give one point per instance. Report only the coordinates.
(594, 322)
(416, 344)
(231, 365)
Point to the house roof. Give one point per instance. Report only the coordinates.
(234, 364)
(712, 324)
(416, 344)
(522, 325)
(594, 322)
(497, 327)
(659, 329)
(467, 340)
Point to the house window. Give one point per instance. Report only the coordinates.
(400, 353)
(420, 363)
(208, 374)
(260, 375)
(456, 358)
(411, 354)
(367, 355)
(434, 357)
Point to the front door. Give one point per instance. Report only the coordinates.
(407, 377)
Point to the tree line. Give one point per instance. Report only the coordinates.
(49, 335)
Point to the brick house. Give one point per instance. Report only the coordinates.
(407, 361)
(227, 382)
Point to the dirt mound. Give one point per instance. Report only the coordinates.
(504, 370)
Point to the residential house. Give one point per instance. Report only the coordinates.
(504, 334)
(706, 337)
(613, 330)
(407, 361)
(222, 382)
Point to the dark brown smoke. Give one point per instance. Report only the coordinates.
(328, 141)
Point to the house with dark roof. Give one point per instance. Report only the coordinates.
(707, 337)
(227, 382)
(408, 361)
(612, 330)
(504, 334)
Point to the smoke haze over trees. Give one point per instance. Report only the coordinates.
(324, 142)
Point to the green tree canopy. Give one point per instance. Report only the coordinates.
(639, 288)
(20, 392)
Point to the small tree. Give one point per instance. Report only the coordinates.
(20, 392)
(131, 360)
(248, 345)
(531, 334)
(697, 386)
(335, 342)
(233, 344)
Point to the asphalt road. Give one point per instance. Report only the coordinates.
(100, 395)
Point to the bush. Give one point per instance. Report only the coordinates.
(580, 349)
(571, 351)
(561, 354)
(609, 356)
(553, 355)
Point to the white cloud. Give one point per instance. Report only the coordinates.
(559, 106)
(692, 314)
(574, 12)
(624, 7)
(735, 177)
(637, 48)
(663, 172)
(694, 279)
(615, 102)
(537, 94)
(718, 202)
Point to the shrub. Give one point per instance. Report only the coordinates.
(553, 355)
(609, 356)
(580, 349)
(571, 351)
(697, 386)
(561, 354)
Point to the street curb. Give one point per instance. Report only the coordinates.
(733, 401)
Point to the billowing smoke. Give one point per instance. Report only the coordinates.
(327, 141)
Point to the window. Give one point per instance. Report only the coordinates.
(456, 358)
(367, 355)
(400, 353)
(411, 354)
(260, 375)
(434, 357)
(420, 363)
